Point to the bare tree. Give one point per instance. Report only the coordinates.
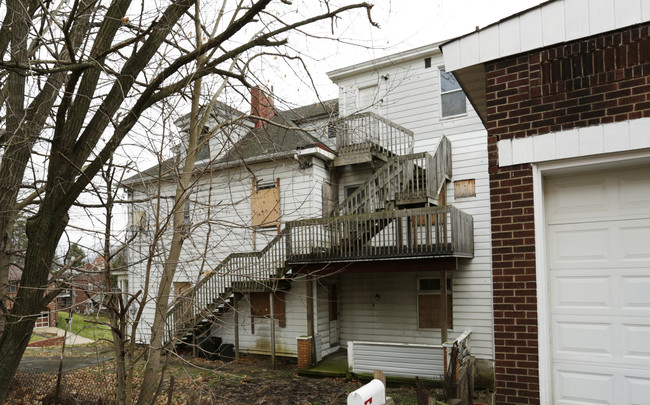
(77, 77)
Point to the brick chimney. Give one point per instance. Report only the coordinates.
(261, 106)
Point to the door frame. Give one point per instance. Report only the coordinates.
(541, 171)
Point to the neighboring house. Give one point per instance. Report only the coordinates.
(564, 91)
(46, 318)
(83, 289)
(370, 231)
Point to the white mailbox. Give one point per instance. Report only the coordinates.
(373, 393)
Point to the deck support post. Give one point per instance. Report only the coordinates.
(272, 310)
(310, 315)
(443, 305)
(236, 326)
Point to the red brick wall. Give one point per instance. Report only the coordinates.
(594, 81)
(304, 352)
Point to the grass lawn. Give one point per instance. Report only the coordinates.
(87, 326)
(35, 338)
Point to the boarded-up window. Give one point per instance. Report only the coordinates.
(429, 304)
(261, 306)
(465, 188)
(181, 288)
(265, 204)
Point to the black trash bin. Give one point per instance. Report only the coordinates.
(209, 347)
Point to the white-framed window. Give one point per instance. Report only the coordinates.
(429, 303)
(452, 98)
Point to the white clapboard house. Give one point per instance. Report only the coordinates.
(333, 226)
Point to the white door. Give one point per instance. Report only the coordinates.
(598, 255)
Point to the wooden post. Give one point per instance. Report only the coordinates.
(272, 330)
(310, 315)
(379, 375)
(443, 304)
(236, 298)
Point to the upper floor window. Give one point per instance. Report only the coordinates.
(452, 97)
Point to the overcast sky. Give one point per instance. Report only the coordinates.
(403, 25)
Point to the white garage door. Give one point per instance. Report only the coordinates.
(598, 243)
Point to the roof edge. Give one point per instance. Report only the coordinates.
(372, 64)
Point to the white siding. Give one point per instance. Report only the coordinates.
(220, 220)
(413, 101)
(260, 341)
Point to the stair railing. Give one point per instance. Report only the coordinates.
(402, 178)
(358, 132)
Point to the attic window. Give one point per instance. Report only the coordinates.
(427, 63)
(204, 152)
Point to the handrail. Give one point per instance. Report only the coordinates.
(415, 232)
(359, 131)
(248, 268)
(408, 177)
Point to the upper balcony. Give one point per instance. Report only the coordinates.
(364, 137)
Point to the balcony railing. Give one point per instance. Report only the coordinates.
(368, 132)
(418, 232)
(413, 178)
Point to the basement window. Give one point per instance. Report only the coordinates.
(452, 98)
(429, 302)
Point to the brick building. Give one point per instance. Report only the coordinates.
(45, 318)
(564, 91)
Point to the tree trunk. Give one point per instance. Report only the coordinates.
(43, 232)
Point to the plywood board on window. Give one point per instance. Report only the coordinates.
(465, 188)
(429, 312)
(265, 204)
(260, 306)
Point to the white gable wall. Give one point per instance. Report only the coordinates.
(221, 220)
(412, 100)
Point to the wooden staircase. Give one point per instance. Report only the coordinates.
(404, 181)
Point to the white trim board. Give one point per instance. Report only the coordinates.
(549, 23)
(578, 142)
(540, 170)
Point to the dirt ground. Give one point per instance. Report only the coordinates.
(251, 380)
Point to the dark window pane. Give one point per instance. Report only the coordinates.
(448, 82)
(453, 103)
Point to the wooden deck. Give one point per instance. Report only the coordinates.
(410, 233)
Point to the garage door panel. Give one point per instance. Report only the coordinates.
(605, 244)
(604, 195)
(633, 191)
(581, 292)
(635, 293)
(635, 241)
(598, 269)
(580, 387)
(583, 338)
(636, 342)
(637, 391)
(592, 245)
(585, 384)
(569, 199)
